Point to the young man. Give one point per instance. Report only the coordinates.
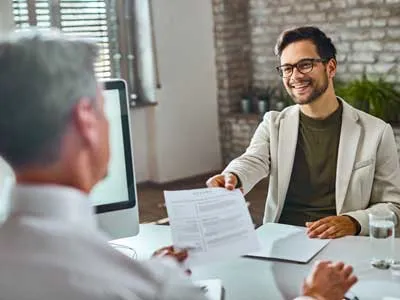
(54, 133)
(328, 163)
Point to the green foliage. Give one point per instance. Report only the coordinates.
(377, 97)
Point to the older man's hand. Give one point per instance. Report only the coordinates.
(180, 255)
(332, 227)
(329, 281)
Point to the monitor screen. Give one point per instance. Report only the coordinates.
(114, 188)
(117, 191)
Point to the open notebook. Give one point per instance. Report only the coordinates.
(287, 242)
(212, 288)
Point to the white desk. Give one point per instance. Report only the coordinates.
(255, 279)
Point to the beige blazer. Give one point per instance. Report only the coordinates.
(367, 175)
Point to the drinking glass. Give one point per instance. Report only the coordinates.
(381, 235)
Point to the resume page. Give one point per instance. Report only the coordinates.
(213, 223)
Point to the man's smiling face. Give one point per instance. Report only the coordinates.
(304, 88)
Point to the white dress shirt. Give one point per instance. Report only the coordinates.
(50, 249)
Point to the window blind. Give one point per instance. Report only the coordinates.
(88, 19)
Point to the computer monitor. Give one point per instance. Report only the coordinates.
(115, 197)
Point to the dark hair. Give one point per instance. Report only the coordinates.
(324, 45)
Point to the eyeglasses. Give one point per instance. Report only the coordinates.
(304, 66)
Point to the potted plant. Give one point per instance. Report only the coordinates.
(378, 97)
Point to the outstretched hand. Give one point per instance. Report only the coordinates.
(228, 181)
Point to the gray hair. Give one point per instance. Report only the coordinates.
(42, 76)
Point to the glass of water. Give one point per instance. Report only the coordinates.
(381, 235)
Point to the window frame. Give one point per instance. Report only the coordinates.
(121, 42)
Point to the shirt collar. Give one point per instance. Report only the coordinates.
(61, 203)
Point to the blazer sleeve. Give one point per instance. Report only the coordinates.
(385, 194)
(254, 164)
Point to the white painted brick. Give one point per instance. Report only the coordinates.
(320, 17)
(377, 34)
(339, 4)
(356, 68)
(394, 33)
(380, 68)
(367, 46)
(275, 20)
(352, 23)
(395, 21)
(371, 1)
(361, 12)
(379, 22)
(344, 14)
(261, 59)
(346, 76)
(324, 5)
(382, 12)
(283, 9)
(392, 47)
(364, 57)
(264, 11)
(393, 79)
(343, 47)
(305, 7)
(365, 22)
(331, 16)
(297, 18)
(387, 57)
(257, 30)
(341, 58)
(355, 35)
(351, 3)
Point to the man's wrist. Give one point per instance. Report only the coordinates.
(356, 224)
(238, 181)
(311, 293)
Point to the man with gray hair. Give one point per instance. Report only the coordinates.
(54, 133)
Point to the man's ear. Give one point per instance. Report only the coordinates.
(331, 68)
(85, 120)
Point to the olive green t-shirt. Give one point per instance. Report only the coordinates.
(311, 192)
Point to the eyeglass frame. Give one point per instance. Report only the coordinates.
(312, 60)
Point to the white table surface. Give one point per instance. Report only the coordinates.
(257, 279)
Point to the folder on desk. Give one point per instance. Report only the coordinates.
(287, 242)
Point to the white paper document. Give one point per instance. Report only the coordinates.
(213, 223)
(287, 242)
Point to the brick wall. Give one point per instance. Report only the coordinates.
(232, 45)
(365, 32)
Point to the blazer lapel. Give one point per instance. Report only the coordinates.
(348, 142)
(288, 133)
